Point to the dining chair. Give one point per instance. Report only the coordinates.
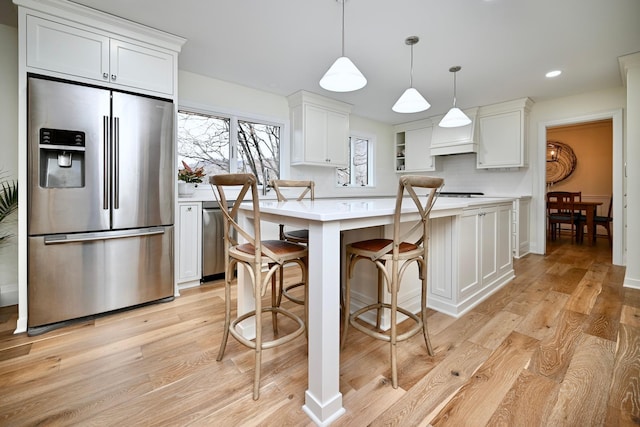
(605, 221)
(561, 210)
(252, 256)
(302, 189)
(400, 253)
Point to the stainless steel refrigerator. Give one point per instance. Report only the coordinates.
(100, 201)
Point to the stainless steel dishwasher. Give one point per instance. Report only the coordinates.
(212, 240)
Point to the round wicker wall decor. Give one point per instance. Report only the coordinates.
(563, 166)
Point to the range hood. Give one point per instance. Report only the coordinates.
(460, 140)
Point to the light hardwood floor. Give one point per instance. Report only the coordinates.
(559, 346)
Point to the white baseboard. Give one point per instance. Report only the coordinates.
(630, 282)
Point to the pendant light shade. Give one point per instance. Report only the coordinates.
(343, 76)
(411, 101)
(455, 117)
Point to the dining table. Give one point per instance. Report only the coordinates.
(326, 219)
(590, 212)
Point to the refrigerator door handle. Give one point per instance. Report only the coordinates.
(88, 237)
(105, 163)
(116, 163)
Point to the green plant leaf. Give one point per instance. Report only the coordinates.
(8, 201)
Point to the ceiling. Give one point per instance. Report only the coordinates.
(505, 47)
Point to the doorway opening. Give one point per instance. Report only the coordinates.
(616, 172)
(580, 160)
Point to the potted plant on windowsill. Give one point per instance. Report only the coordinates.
(188, 179)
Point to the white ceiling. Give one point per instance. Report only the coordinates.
(504, 46)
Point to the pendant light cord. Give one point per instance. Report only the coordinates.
(454, 89)
(411, 72)
(343, 1)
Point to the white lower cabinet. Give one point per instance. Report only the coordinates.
(470, 257)
(189, 239)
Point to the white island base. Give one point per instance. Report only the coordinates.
(470, 250)
(470, 257)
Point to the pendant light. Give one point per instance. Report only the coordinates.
(553, 151)
(411, 101)
(455, 117)
(343, 76)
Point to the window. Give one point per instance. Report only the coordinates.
(360, 170)
(229, 145)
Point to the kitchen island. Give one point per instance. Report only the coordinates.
(470, 258)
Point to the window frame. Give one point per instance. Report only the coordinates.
(234, 117)
(371, 161)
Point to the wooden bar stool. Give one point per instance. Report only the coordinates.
(252, 256)
(400, 254)
(303, 190)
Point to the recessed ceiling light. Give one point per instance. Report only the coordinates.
(554, 73)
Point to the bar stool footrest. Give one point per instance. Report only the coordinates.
(382, 336)
(267, 344)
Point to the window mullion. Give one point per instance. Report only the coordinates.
(233, 144)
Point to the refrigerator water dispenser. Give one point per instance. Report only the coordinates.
(61, 158)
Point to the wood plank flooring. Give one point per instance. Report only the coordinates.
(558, 346)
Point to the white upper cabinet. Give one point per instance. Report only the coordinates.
(52, 46)
(73, 42)
(502, 135)
(413, 147)
(137, 66)
(319, 130)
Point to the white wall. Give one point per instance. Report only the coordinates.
(630, 64)
(385, 179)
(216, 95)
(460, 174)
(220, 95)
(565, 110)
(9, 156)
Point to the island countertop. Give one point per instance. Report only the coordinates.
(351, 208)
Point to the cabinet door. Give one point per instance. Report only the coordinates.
(469, 251)
(504, 251)
(140, 67)
(522, 230)
(489, 243)
(189, 246)
(315, 135)
(337, 138)
(326, 137)
(418, 150)
(501, 141)
(64, 49)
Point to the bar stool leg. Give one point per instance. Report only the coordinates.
(257, 274)
(227, 318)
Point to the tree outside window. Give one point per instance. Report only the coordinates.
(207, 141)
(358, 171)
